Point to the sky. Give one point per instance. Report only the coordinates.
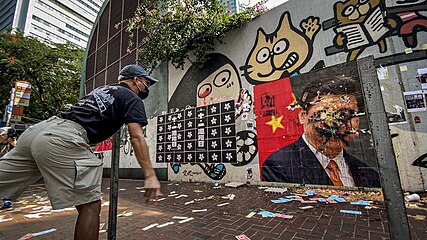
(270, 4)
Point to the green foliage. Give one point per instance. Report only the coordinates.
(175, 28)
(53, 71)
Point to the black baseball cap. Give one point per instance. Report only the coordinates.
(131, 71)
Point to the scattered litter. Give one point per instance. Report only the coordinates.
(178, 217)
(217, 187)
(158, 200)
(190, 202)
(142, 191)
(370, 207)
(222, 204)
(242, 237)
(322, 200)
(165, 224)
(105, 204)
(308, 201)
(310, 193)
(198, 191)
(122, 189)
(5, 219)
(125, 214)
(102, 231)
(199, 199)
(180, 196)
(234, 184)
(330, 201)
(280, 200)
(276, 190)
(186, 220)
(361, 202)
(413, 198)
(267, 214)
(351, 212)
(418, 217)
(200, 210)
(305, 207)
(30, 235)
(138, 188)
(251, 214)
(336, 198)
(284, 216)
(293, 197)
(150, 226)
(101, 226)
(32, 215)
(216, 184)
(173, 192)
(173, 195)
(229, 196)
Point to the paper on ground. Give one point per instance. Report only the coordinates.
(200, 210)
(150, 226)
(186, 220)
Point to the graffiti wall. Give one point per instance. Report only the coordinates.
(260, 70)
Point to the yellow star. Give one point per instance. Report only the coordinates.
(275, 123)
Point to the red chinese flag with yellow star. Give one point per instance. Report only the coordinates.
(277, 122)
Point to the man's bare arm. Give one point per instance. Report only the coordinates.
(140, 147)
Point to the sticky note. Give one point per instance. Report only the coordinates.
(403, 68)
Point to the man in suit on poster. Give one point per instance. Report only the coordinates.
(330, 118)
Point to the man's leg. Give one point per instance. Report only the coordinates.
(87, 225)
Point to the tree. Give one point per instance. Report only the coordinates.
(174, 28)
(53, 71)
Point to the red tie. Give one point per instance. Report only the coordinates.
(334, 173)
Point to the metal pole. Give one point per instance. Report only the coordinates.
(114, 187)
(390, 180)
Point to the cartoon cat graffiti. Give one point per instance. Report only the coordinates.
(360, 24)
(281, 53)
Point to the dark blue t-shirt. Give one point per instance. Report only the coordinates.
(103, 111)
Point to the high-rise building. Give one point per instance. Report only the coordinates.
(51, 21)
(232, 5)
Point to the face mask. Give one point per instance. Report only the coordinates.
(142, 94)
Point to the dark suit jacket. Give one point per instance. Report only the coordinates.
(296, 163)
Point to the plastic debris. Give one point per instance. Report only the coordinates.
(198, 191)
(276, 190)
(173, 195)
(178, 217)
(351, 212)
(190, 202)
(105, 204)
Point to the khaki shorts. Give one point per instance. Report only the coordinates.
(57, 150)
